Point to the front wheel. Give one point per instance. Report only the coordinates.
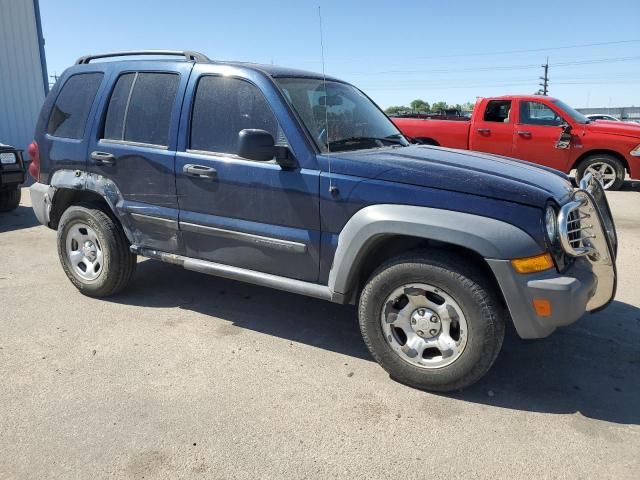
(432, 321)
(608, 167)
(94, 251)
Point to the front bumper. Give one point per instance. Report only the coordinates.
(568, 295)
(587, 232)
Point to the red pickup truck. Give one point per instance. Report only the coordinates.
(538, 129)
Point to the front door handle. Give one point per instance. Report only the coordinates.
(103, 158)
(524, 134)
(199, 171)
(484, 130)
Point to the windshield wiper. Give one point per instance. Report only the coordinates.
(395, 139)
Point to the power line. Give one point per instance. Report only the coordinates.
(500, 52)
(503, 67)
(435, 87)
(530, 50)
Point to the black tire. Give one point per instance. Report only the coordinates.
(605, 158)
(119, 264)
(10, 198)
(471, 290)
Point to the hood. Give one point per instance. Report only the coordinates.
(462, 171)
(613, 128)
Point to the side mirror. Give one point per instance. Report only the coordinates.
(564, 142)
(256, 144)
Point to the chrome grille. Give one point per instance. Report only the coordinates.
(575, 227)
(585, 224)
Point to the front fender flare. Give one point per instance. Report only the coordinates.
(488, 237)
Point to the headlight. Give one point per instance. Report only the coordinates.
(635, 152)
(551, 223)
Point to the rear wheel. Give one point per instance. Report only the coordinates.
(432, 321)
(94, 251)
(607, 166)
(10, 198)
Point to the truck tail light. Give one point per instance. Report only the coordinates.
(34, 166)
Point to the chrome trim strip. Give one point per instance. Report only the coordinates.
(251, 276)
(164, 222)
(132, 144)
(270, 242)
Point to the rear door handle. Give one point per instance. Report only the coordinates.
(524, 134)
(484, 130)
(103, 158)
(199, 171)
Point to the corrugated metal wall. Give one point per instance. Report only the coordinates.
(22, 76)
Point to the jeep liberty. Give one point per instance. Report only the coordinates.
(299, 182)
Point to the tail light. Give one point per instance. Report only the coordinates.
(34, 166)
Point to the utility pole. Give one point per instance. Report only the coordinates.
(545, 80)
(55, 79)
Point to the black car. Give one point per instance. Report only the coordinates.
(11, 176)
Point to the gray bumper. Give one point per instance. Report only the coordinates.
(41, 202)
(568, 294)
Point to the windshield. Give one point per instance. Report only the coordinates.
(354, 121)
(572, 112)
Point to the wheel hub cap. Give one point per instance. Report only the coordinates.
(89, 250)
(84, 252)
(603, 172)
(425, 323)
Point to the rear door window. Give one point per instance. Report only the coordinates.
(140, 108)
(68, 117)
(497, 111)
(224, 106)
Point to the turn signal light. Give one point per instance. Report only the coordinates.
(542, 306)
(538, 263)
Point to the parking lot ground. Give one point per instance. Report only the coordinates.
(190, 376)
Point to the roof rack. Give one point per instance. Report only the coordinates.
(187, 54)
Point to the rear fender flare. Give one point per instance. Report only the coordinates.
(99, 184)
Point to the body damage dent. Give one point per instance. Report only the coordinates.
(84, 181)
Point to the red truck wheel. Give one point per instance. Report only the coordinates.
(608, 166)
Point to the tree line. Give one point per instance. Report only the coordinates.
(420, 106)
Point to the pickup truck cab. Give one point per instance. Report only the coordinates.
(541, 130)
(291, 180)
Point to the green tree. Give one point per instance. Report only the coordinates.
(468, 106)
(437, 106)
(396, 109)
(419, 105)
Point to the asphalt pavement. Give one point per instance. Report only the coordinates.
(190, 376)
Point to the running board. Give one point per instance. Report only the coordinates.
(250, 276)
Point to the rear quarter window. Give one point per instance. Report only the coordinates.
(69, 114)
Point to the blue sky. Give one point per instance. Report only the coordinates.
(395, 51)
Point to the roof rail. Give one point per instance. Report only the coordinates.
(187, 54)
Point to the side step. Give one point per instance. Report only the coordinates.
(250, 276)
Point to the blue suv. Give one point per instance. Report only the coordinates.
(291, 180)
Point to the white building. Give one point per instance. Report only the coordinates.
(23, 71)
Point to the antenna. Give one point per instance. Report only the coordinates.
(332, 188)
